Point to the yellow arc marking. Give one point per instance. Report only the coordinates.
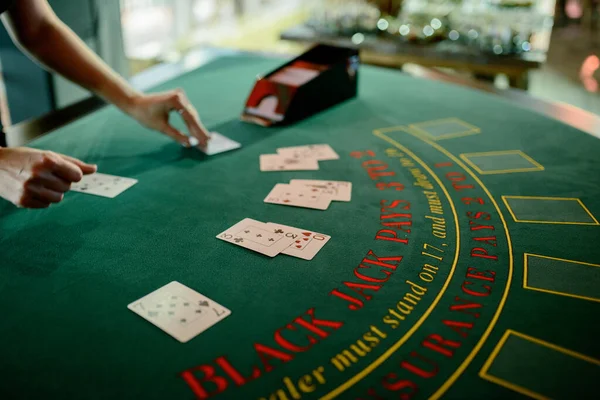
(346, 385)
(380, 133)
(494, 320)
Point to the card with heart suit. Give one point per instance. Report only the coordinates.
(320, 152)
(297, 196)
(103, 185)
(276, 162)
(217, 144)
(257, 236)
(306, 243)
(179, 311)
(342, 191)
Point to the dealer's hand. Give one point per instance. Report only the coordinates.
(32, 178)
(153, 110)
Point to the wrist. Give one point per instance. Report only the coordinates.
(119, 93)
(128, 103)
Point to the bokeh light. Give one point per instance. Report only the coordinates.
(358, 38)
(382, 24)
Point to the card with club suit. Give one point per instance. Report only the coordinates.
(257, 236)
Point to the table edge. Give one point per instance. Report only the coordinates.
(36, 127)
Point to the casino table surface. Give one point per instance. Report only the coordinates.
(467, 264)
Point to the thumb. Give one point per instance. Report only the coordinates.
(87, 169)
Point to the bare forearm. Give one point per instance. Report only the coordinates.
(39, 32)
(60, 50)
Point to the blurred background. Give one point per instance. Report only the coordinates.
(549, 48)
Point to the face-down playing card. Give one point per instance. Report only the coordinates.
(179, 311)
(218, 144)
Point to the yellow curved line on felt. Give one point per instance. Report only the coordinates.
(349, 383)
(494, 320)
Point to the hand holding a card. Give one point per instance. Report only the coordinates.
(35, 179)
(153, 111)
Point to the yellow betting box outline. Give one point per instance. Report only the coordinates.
(484, 370)
(469, 129)
(504, 199)
(526, 285)
(536, 166)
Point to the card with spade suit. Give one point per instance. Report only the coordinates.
(179, 311)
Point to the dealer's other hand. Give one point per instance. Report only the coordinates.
(153, 110)
(32, 178)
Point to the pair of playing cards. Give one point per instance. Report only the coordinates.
(272, 239)
(179, 311)
(103, 185)
(298, 158)
(313, 194)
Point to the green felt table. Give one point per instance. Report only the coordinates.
(465, 266)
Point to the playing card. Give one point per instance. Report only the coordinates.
(276, 162)
(266, 109)
(297, 196)
(103, 185)
(179, 311)
(256, 236)
(319, 152)
(342, 191)
(294, 76)
(306, 243)
(219, 144)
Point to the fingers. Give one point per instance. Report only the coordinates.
(33, 202)
(63, 168)
(36, 190)
(86, 168)
(176, 135)
(195, 127)
(46, 195)
(180, 102)
(53, 182)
